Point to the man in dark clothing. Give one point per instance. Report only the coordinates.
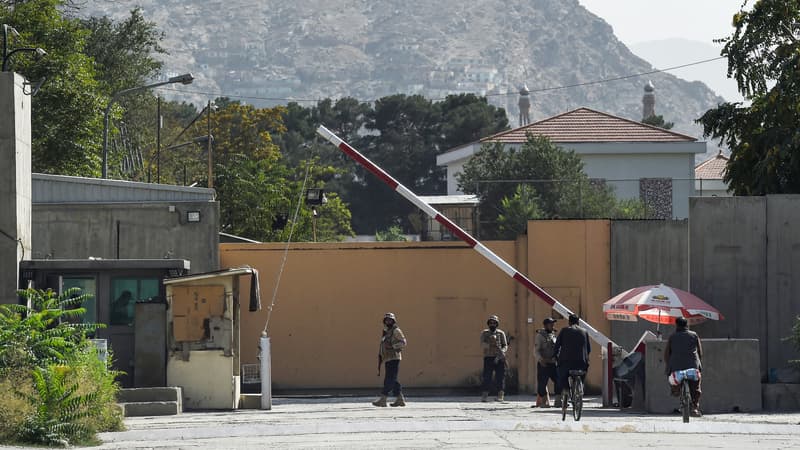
(495, 345)
(572, 350)
(684, 351)
(544, 351)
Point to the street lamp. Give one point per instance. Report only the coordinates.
(186, 78)
(7, 55)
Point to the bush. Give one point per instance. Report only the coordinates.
(13, 407)
(54, 388)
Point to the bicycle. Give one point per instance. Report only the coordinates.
(573, 394)
(683, 377)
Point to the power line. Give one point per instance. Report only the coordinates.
(546, 89)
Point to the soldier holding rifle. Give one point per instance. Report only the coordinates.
(494, 345)
(390, 353)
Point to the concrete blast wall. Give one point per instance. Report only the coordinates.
(745, 260)
(730, 381)
(646, 252)
(15, 182)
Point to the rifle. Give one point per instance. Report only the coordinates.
(500, 355)
(380, 360)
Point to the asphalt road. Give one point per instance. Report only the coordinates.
(450, 422)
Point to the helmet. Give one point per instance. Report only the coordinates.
(389, 316)
(548, 320)
(493, 317)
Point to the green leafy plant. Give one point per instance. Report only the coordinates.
(59, 409)
(394, 233)
(55, 389)
(517, 210)
(45, 333)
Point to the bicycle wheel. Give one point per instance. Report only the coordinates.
(686, 401)
(564, 402)
(577, 400)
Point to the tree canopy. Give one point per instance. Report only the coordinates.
(536, 180)
(763, 55)
(402, 134)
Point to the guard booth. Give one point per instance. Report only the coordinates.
(203, 319)
(128, 296)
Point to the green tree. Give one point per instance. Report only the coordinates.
(466, 118)
(556, 180)
(255, 186)
(517, 210)
(763, 54)
(402, 134)
(124, 52)
(67, 110)
(658, 121)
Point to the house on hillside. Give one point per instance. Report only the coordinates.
(708, 177)
(638, 160)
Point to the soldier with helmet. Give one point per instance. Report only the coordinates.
(390, 353)
(544, 351)
(494, 345)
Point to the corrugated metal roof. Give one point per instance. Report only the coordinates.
(66, 189)
(588, 125)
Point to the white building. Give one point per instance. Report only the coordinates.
(640, 161)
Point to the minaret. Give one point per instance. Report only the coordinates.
(649, 101)
(524, 106)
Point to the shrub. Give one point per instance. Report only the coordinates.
(55, 389)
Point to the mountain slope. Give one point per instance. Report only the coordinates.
(673, 52)
(270, 51)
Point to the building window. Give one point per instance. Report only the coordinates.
(87, 285)
(125, 293)
(463, 216)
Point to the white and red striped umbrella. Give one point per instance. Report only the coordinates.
(659, 304)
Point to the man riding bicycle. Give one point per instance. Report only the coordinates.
(572, 351)
(684, 351)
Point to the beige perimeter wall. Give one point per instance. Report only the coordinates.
(326, 323)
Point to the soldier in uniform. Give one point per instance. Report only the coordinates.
(544, 351)
(392, 343)
(494, 345)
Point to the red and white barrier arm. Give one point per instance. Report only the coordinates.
(597, 336)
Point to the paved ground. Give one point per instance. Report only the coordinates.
(450, 422)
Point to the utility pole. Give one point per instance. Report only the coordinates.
(159, 123)
(208, 144)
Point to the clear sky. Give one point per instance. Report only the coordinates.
(637, 21)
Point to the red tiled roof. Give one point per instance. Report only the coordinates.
(588, 125)
(712, 168)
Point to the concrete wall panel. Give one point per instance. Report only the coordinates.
(646, 252)
(730, 383)
(783, 276)
(128, 231)
(728, 261)
(15, 182)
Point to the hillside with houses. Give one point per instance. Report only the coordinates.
(271, 52)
